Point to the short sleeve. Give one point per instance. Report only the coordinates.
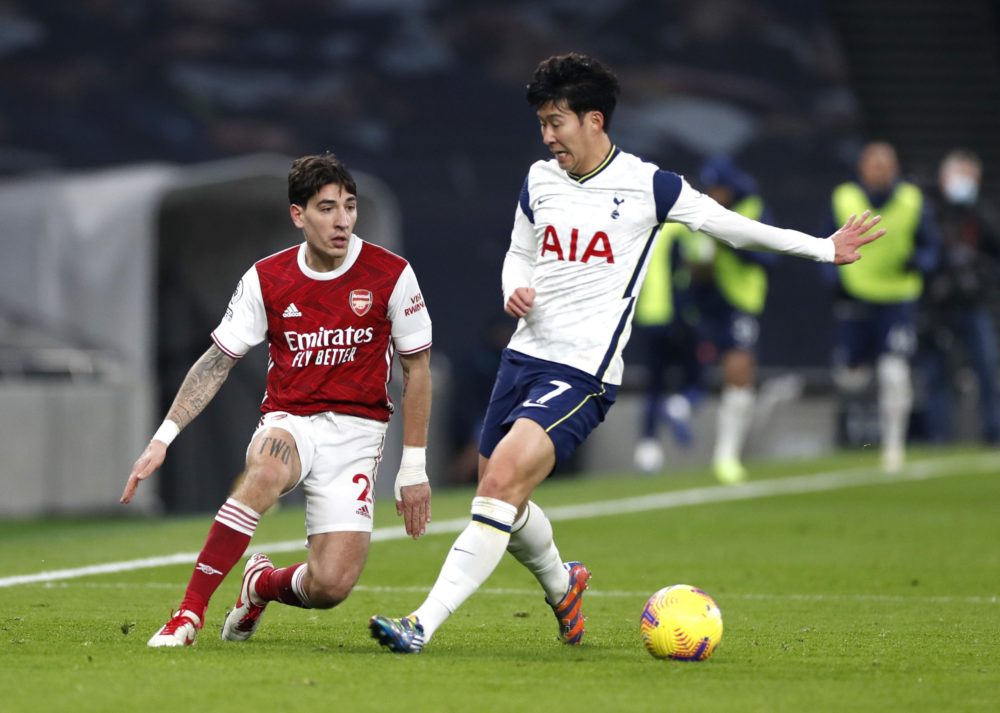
(411, 323)
(244, 324)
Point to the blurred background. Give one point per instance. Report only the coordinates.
(144, 146)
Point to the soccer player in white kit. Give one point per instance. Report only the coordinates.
(333, 310)
(583, 228)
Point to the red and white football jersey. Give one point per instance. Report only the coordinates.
(331, 335)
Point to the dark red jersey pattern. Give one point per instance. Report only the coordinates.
(330, 341)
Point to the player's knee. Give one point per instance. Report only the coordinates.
(499, 483)
(264, 480)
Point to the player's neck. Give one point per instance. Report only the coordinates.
(602, 149)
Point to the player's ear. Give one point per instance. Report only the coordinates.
(595, 120)
(296, 213)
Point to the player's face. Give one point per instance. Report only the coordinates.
(578, 143)
(327, 222)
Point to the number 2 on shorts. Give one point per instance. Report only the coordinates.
(361, 477)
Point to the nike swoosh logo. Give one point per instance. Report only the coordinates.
(529, 404)
(459, 549)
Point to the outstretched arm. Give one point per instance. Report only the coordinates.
(842, 248)
(200, 385)
(699, 212)
(412, 490)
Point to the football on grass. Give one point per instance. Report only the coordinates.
(681, 622)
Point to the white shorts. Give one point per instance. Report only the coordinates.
(340, 456)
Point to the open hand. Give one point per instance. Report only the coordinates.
(415, 507)
(149, 461)
(852, 235)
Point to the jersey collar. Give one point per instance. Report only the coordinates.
(600, 167)
(353, 250)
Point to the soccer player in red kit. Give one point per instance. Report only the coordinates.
(333, 310)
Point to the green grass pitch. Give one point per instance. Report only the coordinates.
(863, 594)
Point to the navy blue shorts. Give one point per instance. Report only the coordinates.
(722, 325)
(566, 402)
(865, 331)
(734, 330)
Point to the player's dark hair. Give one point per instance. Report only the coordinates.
(309, 174)
(584, 83)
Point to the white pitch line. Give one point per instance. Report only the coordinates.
(818, 482)
(591, 592)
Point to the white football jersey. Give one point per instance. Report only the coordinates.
(583, 244)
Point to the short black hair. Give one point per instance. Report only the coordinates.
(309, 174)
(584, 83)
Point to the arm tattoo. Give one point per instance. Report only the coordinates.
(200, 385)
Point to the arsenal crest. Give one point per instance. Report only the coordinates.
(361, 302)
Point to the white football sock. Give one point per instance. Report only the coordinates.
(733, 423)
(532, 545)
(472, 559)
(299, 589)
(895, 398)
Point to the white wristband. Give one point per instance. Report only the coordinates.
(412, 469)
(167, 432)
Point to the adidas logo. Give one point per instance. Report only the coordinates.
(363, 511)
(291, 311)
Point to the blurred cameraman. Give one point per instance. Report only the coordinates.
(959, 296)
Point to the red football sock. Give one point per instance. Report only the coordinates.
(275, 585)
(227, 541)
